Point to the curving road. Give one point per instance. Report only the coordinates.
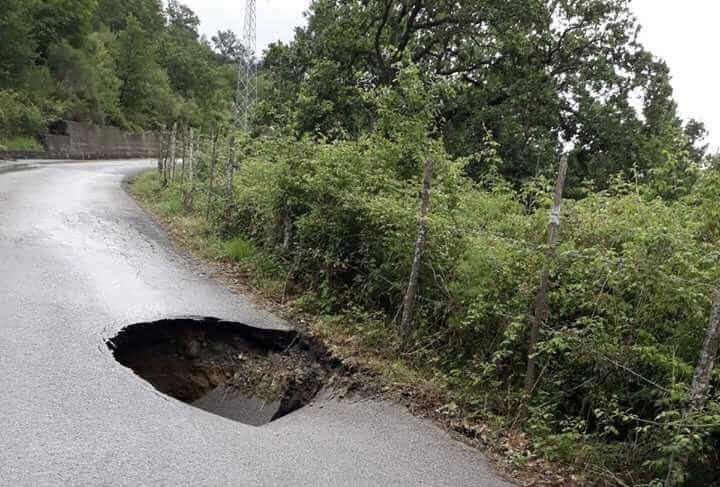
(78, 261)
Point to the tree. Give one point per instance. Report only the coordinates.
(87, 78)
(525, 72)
(145, 93)
(182, 18)
(114, 14)
(228, 48)
(17, 46)
(55, 21)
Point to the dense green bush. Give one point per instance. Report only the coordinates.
(18, 116)
(629, 300)
(630, 292)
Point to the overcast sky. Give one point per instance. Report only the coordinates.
(686, 35)
(683, 32)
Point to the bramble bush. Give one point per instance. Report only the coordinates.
(18, 116)
(630, 283)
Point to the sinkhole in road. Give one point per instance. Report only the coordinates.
(247, 374)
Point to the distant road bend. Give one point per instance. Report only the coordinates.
(79, 260)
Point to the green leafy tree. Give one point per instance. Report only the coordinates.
(55, 21)
(114, 14)
(182, 18)
(527, 73)
(228, 48)
(87, 79)
(17, 46)
(145, 93)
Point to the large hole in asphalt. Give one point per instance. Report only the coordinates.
(240, 372)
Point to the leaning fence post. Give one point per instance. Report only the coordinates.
(707, 357)
(161, 154)
(409, 301)
(542, 309)
(173, 140)
(230, 168)
(190, 172)
(211, 176)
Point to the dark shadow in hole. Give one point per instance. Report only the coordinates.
(247, 374)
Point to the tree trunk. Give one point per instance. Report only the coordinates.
(211, 176)
(542, 309)
(708, 354)
(191, 172)
(409, 301)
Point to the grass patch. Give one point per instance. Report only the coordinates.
(20, 143)
(195, 233)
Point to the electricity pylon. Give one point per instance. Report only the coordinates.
(246, 92)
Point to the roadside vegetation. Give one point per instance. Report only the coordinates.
(132, 64)
(321, 201)
(331, 225)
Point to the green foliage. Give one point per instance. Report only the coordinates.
(629, 299)
(326, 198)
(56, 20)
(145, 89)
(525, 73)
(132, 64)
(87, 81)
(18, 116)
(17, 49)
(114, 15)
(19, 143)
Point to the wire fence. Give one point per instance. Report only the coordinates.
(212, 154)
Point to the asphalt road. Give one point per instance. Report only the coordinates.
(79, 261)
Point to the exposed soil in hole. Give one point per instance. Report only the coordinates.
(243, 373)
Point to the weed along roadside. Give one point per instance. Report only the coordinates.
(345, 273)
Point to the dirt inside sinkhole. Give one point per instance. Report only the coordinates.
(240, 372)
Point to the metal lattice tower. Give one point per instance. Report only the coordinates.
(246, 93)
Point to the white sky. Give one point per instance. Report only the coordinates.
(276, 19)
(683, 32)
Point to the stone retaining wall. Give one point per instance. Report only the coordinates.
(75, 140)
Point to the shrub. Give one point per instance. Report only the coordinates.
(18, 117)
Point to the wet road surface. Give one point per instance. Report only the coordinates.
(78, 262)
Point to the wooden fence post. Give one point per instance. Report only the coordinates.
(700, 383)
(191, 172)
(708, 355)
(173, 140)
(542, 309)
(409, 301)
(161, 154)
(230, 169)
(162, 161)
(211, 176)
(184, 153)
